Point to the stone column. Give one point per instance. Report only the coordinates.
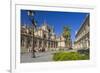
(82, 44)
(87, 42)
(22, 41)
(79, 44)
(38, 45)
(31, 42)
(50, 44)
(25, 42)
(47, 45)
(53, 44)
(42, 42)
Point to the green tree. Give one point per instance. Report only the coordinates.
(67, 36)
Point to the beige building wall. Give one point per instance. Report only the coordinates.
(44, 39)
(61, 43)
(82, 40)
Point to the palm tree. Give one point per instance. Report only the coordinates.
(67, 36)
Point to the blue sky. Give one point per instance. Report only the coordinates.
(56, 19)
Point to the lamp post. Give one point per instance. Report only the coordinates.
(31, 17)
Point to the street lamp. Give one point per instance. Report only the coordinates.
(31, 17)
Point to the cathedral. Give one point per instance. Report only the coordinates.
(45, 39)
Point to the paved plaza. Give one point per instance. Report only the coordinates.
(40, 57)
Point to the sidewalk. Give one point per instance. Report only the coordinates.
(40, 57)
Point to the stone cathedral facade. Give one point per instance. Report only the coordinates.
(44, 39)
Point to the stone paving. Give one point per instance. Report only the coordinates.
(40, 57)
